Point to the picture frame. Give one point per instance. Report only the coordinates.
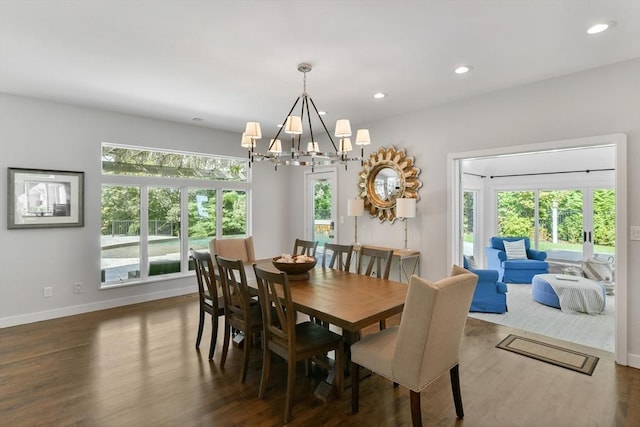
(44, 198)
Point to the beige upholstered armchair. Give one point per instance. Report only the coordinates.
(241, 249)
(425, 345)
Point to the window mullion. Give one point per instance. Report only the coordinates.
(144, 232)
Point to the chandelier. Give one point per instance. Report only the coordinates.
(292, 125)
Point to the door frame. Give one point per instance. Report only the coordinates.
(619, 142)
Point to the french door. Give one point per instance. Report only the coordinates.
(321, 207)
(570, 225)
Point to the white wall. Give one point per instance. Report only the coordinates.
(595, 102)
(44, 135)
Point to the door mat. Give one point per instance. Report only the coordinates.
(559, 356)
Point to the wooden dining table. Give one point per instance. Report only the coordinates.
(347, 300)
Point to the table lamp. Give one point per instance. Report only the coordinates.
(405, 208)
(355, 208)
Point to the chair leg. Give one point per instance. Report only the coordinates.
(291, 379)
(416, 413)
(200, 328)
(355, 387)
(214, 336)
(225, 344)
(245, 362)
(266, 366)
(454, 373)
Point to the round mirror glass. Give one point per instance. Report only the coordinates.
(387, 184)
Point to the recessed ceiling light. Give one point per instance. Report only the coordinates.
(379, 95)
(598, 28)
(279, 125)
(463, 69)
(322, 113)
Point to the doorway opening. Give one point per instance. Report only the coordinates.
(564, 209)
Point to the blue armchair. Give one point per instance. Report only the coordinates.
(490, 295)
(515, 270)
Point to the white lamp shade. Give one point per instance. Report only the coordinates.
(313, 147)
(343, 128)
(247, 142)
(345, 145)
(362, 137)
(275, 146)
(293, 126)
(252, 130)
(355, 207)
(405, 208)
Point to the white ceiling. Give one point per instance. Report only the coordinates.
(229, 62)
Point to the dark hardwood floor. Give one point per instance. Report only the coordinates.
(137, 366)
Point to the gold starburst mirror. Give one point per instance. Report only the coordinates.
(387, 175)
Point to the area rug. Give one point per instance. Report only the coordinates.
(559, 356)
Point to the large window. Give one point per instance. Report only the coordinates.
(157, 204)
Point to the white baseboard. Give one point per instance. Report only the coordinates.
(634, 360)
(22, 319)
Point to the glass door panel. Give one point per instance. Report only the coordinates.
(320, 208)
(516, 213)
(561, 226)
(469, 220)
(604, 222)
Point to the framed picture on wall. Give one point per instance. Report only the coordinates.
(40, 198)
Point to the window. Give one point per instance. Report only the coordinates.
(158, 204)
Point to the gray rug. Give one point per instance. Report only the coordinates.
(549, 353)
(524, 313)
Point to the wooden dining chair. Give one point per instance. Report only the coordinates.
(378, 264)
(291, 341)
(340, 256)
(305, 247)
(239, 312)
(209, 295)
(425, 345)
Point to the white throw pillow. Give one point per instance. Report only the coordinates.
(515, 250)
(598, 269)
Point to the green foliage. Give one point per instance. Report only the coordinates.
(202, 220)
(234, 212)
(120, 203)
(322, 200)
(516, 215)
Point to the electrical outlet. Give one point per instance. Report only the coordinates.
(635, 232)
(77, 288)
(47, 292)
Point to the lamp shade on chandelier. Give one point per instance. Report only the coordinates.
(308, 152)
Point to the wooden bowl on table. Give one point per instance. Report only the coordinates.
(295, 270)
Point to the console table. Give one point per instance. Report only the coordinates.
(403, 256)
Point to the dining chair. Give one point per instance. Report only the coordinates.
(241, 249)
(291, 341)
(209, 295)
(378, 264)
(305, 247)
(425, 345)
(239, 312)
(340, 255)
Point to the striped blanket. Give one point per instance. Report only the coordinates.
(577, 294)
